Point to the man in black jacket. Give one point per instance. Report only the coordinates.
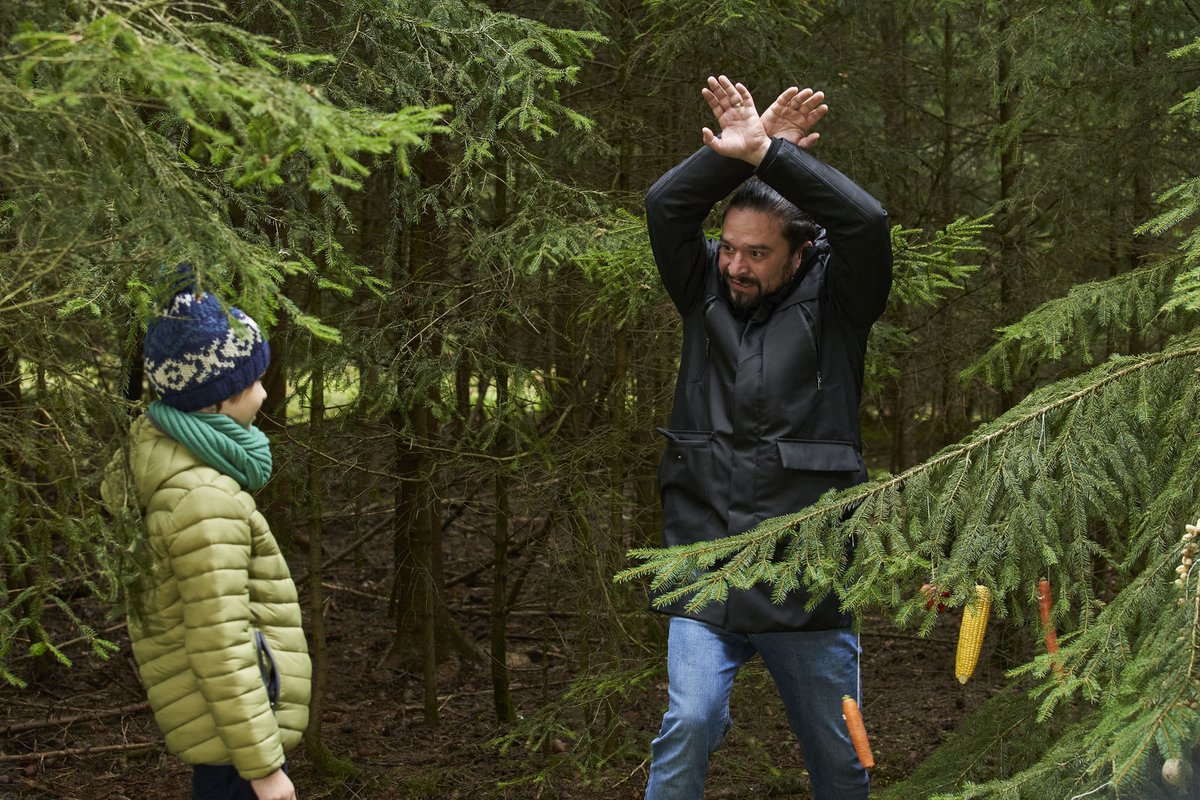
(776, 315)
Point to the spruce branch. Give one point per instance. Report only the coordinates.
(966, 480)
(1072, 325)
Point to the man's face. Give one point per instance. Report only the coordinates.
(754, 257)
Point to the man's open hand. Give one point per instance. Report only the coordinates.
(794, 114)
(742, 133)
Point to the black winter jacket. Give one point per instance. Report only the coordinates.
(765, 417)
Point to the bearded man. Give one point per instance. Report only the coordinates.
(776, 315)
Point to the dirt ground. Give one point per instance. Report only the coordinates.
(374, 716)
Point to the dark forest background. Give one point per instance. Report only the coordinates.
(435, 209)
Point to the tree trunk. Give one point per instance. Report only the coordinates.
(618, 463)
(893, 36)
(325, 762)
(425, 590)
(272, 420)
(1011, 272)
(945, 183)
(502, 448)
(422, 621)
(1143, 203)
(501, 692)
(136, 373)
(10, 402)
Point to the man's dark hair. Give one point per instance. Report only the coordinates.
(754, 195)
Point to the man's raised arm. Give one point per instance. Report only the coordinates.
(857, 227)
(678, 203)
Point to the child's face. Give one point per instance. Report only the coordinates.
(244, 406)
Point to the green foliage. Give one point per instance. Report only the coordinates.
(1183, 208)
(454, 186)
(242, 117)
(1090, 475)
(927, 269)
(1077, 325)
(134, 137)
(567, 735)
(1002, 738)
(767, 27)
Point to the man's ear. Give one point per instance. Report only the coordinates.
(800, 251)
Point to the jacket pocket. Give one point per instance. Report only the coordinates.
(688, 486)
(819, 455)
(688, 459)
(686, 438)
(266, 667)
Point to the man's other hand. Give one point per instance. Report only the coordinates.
(794, 114)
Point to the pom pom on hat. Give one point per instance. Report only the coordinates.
(195, 357)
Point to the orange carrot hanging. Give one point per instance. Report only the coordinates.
(1045, 601)
(858, 731)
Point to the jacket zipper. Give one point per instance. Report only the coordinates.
(812, 331)
(709, 302)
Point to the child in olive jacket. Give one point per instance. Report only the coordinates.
(218, 636)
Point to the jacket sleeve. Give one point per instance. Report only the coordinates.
(210, 553)
(676, 207)
(857, 227)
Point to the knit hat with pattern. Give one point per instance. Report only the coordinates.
(195, 357)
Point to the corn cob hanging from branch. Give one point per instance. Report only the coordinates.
(970, 635)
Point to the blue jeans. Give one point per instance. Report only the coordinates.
(813, 671)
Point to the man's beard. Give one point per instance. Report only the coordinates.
(743, 307)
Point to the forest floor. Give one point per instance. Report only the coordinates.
(374, 714)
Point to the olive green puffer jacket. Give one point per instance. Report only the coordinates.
(219, 581)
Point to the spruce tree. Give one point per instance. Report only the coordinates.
(133, 138)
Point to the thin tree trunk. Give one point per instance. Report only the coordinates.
(893, 34)
(314, 741)
(421, 617)
(947, 210)
(1011, 273)
(501, 691)
(406, 465)
(272, 420)
(136, 370)
(10, 402)
(1142, 205)
(426, 592)
(618, 464)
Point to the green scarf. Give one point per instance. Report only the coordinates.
(218, 440)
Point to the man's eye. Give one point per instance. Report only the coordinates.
(756, 253)
(726, 248)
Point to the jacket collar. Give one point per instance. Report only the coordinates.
(810, 276)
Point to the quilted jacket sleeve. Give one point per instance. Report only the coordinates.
(209, 551)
